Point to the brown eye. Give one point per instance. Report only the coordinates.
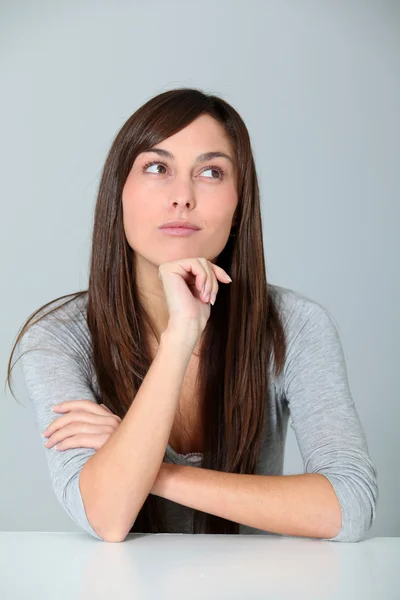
(154, 163)
(219, 170)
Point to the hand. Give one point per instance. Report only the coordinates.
(85, 424)
(183, 281)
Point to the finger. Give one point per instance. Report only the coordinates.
(214, 290)
(89, 405)
(94, 441)
(189, 269)
(211, 280)
(61, 427)
(220, 273)
(200, 274)
(78, 428)
(201, 280)
(79, 416)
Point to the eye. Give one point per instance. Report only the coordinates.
(152, 163)
(220, 170)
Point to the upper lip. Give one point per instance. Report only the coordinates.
(186, 224)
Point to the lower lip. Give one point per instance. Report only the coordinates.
(178, 230)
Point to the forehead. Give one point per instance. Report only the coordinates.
(202, 135)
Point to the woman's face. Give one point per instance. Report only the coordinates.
(179, 188)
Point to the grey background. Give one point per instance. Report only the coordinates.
(318, 86)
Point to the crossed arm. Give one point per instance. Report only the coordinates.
(302, 505)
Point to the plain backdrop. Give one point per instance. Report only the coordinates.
(318, 86)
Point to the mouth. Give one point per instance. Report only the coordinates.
(180, 223)
(178, 231)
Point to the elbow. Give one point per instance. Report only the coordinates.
(115, 536)
(358, 496)
(71, 500)
(111, 535)
(94, 521)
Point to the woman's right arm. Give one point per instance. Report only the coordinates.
(117, 479)
(103, 490)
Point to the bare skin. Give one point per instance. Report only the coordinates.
(182, 189)
(179, 188)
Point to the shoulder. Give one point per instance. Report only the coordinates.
(302, 316)
(61, 323)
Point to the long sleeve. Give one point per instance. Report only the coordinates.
(53, 372)
(325, 419)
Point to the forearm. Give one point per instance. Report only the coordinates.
(302, 505)
(116, 480)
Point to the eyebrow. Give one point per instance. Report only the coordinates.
(200, 158)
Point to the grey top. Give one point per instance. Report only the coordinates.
(312, 390)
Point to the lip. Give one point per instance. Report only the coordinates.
(180, 224)
(178, 231)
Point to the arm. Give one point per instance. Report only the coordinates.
(54, 371)
(297, 505)
(335, 499)
(325, 420)
(117, 479)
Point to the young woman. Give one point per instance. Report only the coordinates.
(174, 382)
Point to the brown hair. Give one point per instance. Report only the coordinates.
(244, 332)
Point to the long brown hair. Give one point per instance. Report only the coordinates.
(244, 332)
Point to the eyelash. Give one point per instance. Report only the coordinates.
(157, 162)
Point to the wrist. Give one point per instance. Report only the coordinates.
(182, 336)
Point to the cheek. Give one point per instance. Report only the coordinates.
(224, 209)
(138, 208)
(227, 200)
(140, 221)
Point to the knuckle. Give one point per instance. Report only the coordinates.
(58, 435)
(87, 402)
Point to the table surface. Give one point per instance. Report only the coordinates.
(174, 566)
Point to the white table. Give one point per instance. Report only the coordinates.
(75, 566)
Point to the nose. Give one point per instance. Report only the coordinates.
(185, 203)
(181, 193)
(185, 199)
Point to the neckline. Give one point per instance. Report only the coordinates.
(191, 456)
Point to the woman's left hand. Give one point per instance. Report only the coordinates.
(85, 424)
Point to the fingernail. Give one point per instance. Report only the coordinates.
(213, 297)
(229, 277)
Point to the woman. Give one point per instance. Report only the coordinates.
(156, 377)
